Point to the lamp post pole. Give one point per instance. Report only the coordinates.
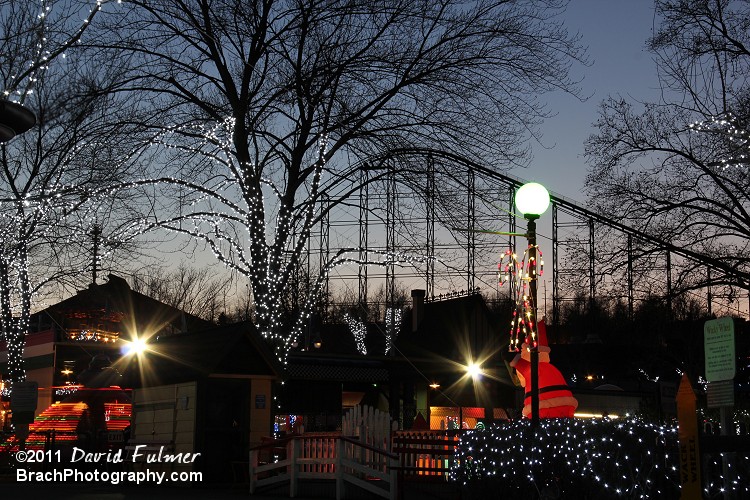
(534, 347)
(532, 200)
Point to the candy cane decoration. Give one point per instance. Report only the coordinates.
(518, 274)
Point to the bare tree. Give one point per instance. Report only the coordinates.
(276, 113)
(46, 216)
(678, 169)
(197, 291)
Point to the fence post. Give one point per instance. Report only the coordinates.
(293, 453)
(339, 469)
(251, 469)
(393, 472)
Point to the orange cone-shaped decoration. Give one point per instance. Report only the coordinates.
(555, 398)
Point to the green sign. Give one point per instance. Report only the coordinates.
(718, 343)
(720, 394)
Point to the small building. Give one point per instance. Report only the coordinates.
(606, 381)
(422, 370)
(210, 392)
(100, 320)
(456, 346)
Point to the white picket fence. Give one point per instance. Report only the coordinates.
(359, 455)
(370, 427)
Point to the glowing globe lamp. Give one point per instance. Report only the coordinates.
(532, 200)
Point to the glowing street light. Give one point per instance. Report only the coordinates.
(474, 370)
(532, 200)
(136, 347)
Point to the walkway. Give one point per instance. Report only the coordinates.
(309, 491)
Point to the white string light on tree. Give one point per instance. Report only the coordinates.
(392, 326)
(359, 331)
(31, 212)
(727, 125)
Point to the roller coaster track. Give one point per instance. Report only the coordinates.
(743, 278)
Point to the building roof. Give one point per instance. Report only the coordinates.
(230, 350)
(453, 328)
(453, 333)
(342, 368)
(116, 303)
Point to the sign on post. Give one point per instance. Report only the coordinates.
(718, 343)
(720, 394)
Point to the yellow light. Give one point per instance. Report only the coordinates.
(136, 346)
(589, 377)
(474, 370)
(595, 415)
(435, 385)
(66, 371)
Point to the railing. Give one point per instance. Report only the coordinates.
(47, 440)
(424, 454)
(325, 456)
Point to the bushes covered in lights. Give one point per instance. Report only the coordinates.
(570, 459)
(583, 459)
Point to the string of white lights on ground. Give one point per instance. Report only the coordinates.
(577, 458)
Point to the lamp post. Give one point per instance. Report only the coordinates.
(532, 200)
(14, 120)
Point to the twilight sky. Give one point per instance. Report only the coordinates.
(615, 32)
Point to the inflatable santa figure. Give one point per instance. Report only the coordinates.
(555, 398)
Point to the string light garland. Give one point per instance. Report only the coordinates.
(67, 390)
(46, 49)
(344, 256)
(250, 225)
